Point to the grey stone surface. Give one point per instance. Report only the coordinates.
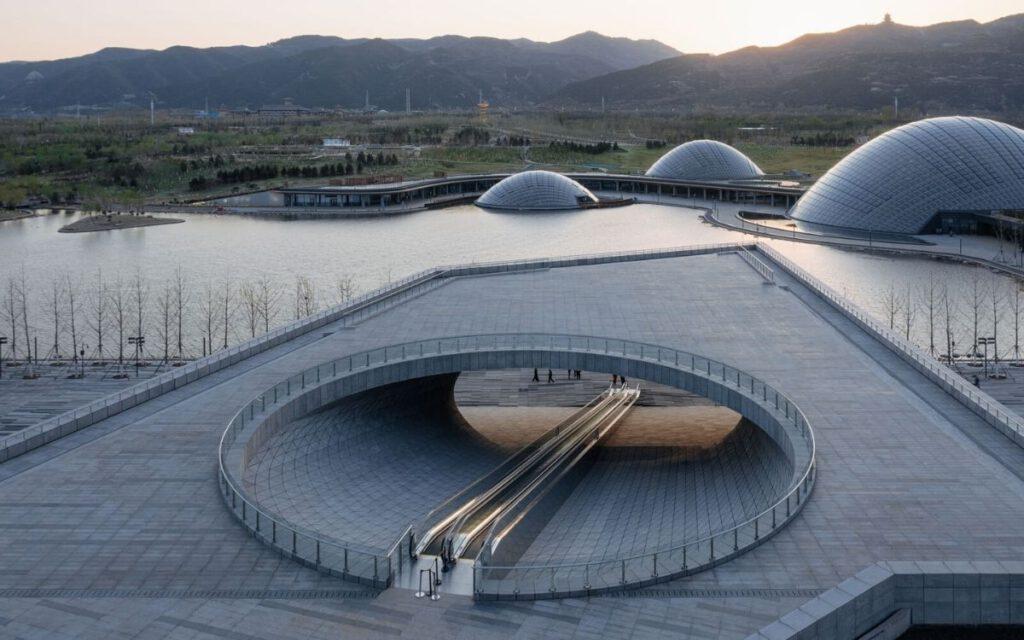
(122, 520)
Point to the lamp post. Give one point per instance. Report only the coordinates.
(81, 359)
(984, 342)
(138, 341)
(3, 341)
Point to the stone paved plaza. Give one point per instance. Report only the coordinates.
(118, 530)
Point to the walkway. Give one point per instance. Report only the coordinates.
(119, 529)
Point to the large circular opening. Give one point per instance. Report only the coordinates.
(511, 469)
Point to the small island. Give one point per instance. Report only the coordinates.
(15, 214)
(109, 222)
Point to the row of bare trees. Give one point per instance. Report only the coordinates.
(94, 316)
(952, 318)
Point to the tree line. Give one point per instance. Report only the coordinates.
(829, 139)
(252, 173)
(94, 317)
(577, 147)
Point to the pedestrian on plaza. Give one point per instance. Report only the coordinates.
(536, 378)
(615, 379)
(623, 378)
(568, 374)
(578, 376)
(551, 377)
(977, 382)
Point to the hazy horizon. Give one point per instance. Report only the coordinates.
(53, 29)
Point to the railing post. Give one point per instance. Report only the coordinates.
(318, 552)
(736, 539)
(684, 558)
(345, 566)
(654, 573)
(712, 548)
(623, 579)
(757, 532)
(295, 542)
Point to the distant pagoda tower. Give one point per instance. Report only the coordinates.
(482, 106)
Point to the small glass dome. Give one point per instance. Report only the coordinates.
(705, 160)
(536, 191)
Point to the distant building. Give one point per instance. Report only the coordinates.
(337, 142)
(283, 111)
(186, 131)
(33, 76)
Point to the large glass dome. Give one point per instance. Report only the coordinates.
(536, 191)
(898, 181)
(705, 160)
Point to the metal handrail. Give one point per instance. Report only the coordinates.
(141, 392)
(256, 409)
(979, 399)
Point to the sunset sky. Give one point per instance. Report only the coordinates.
(47, 29)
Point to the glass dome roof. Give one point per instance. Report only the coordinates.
(705, 160)
(898, 181)
(536, 191)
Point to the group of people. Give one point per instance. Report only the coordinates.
(576, 374)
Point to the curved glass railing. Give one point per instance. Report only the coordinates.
(377, 567)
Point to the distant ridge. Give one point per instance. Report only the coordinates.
(325, 71)
(955, 65)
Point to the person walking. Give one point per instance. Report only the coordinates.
(551, 377)
(568, 374)
(536, 378)
(615, 379)
(623, 378)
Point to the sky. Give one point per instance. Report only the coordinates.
(50, 29)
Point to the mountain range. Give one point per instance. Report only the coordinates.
(325, 71)
(962, 66)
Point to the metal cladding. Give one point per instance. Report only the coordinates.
(705, 160)
(536, 191)
(898, 182)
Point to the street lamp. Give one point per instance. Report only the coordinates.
(984, 342)
(3, 341)
(81, 359)
(138, 341)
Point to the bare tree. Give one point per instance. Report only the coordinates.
(269, 300)
(119, 305)
(305, 297)
(209, 308)
(344, 289)
(139, 298)
(997, 299)
(949, 312)
(55, 304)
(11, 314)
(250, 302)
(227, 307)
(182, 297)
(97, 319)
(23, 296)
(165, 307)
(931, 301)
(72, 304)
(1017, 299)
(975, 302)
(891, 305)
(909, 312)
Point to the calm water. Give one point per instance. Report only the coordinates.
(371, 251)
